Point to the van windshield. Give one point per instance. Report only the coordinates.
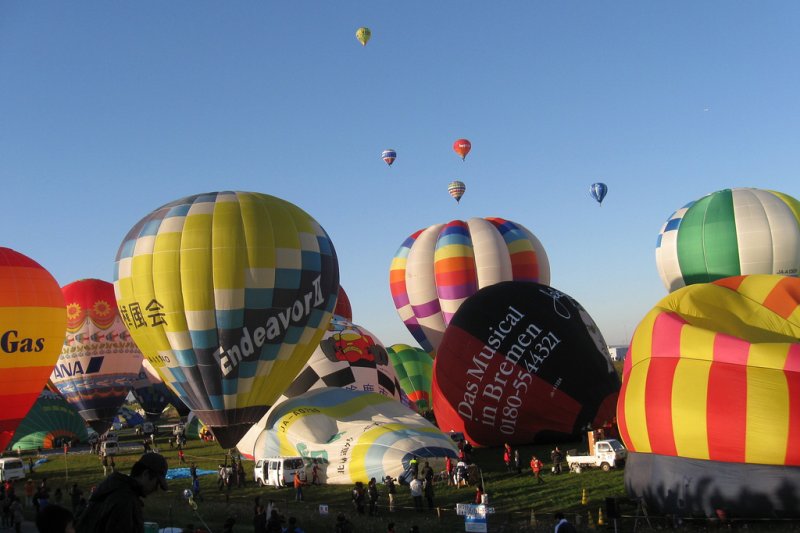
(12, 465)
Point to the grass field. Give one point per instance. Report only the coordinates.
(519, 503)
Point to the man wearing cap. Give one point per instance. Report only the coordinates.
(116, 506)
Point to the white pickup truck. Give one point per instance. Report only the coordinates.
(608, 454)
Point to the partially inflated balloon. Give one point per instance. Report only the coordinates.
(354, 436)
(456, 190)
(49, 424)
(462, 147)
(227, 294)
(32, 319)
(99, 360)
(363, 35)
(729, 233)
(128, 418)
(152, 393)
(414, 368)
(710, 402)
(437, 268)
(522, 362)
(348, 357)
(343, 308)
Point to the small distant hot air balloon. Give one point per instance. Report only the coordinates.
(456, 189)
(598, 191)
(462, 147)
(363, 35)
(389, 156)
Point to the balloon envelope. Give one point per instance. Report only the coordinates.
(598, 191)
(343, 308)
(456, 189)
(729, 233)
(711, 384)
(49, 424)
(462, 147)
(522, 362)
(227, 294)
(389, 156)
(32, 315)
(348, 357)
(363, 35)
(414, 369)
(353, 435)
(98, 360)
(437, 268)
(151, 392)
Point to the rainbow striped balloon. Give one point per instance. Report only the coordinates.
(730, 232)
(33, 319)
(437, 268)
(227, 294)
(713, 372)
(353, 435)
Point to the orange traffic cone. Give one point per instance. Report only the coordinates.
(600, 521)
(590, 525)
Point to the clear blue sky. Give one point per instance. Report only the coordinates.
(111, 109)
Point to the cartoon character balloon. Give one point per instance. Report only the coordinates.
(99, 359)
(728, 233)
(352, 435)
(522, 362)
(437, 268)
(32, 318)
(389, 156)
(49, 424)
(348, 357)
(598, 191)
(227, 294)
(462, 148)
(363, 34)
(710, 405)
(456, 190)
(414, 369)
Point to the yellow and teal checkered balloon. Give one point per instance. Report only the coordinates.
(227, 294)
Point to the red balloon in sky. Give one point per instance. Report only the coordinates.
(462, 147)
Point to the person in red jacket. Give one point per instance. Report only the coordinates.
(536, 467)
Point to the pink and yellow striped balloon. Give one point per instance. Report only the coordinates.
(437, 268)
(713, 372)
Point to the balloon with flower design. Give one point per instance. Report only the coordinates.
(99, 359)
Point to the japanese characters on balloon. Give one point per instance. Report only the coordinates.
(227, 294)
(99, 359)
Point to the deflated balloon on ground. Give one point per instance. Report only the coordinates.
(352, 435)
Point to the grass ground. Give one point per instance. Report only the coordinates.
(516, 499)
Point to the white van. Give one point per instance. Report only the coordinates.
(11, 469)
(278, 471)
(109, 447)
